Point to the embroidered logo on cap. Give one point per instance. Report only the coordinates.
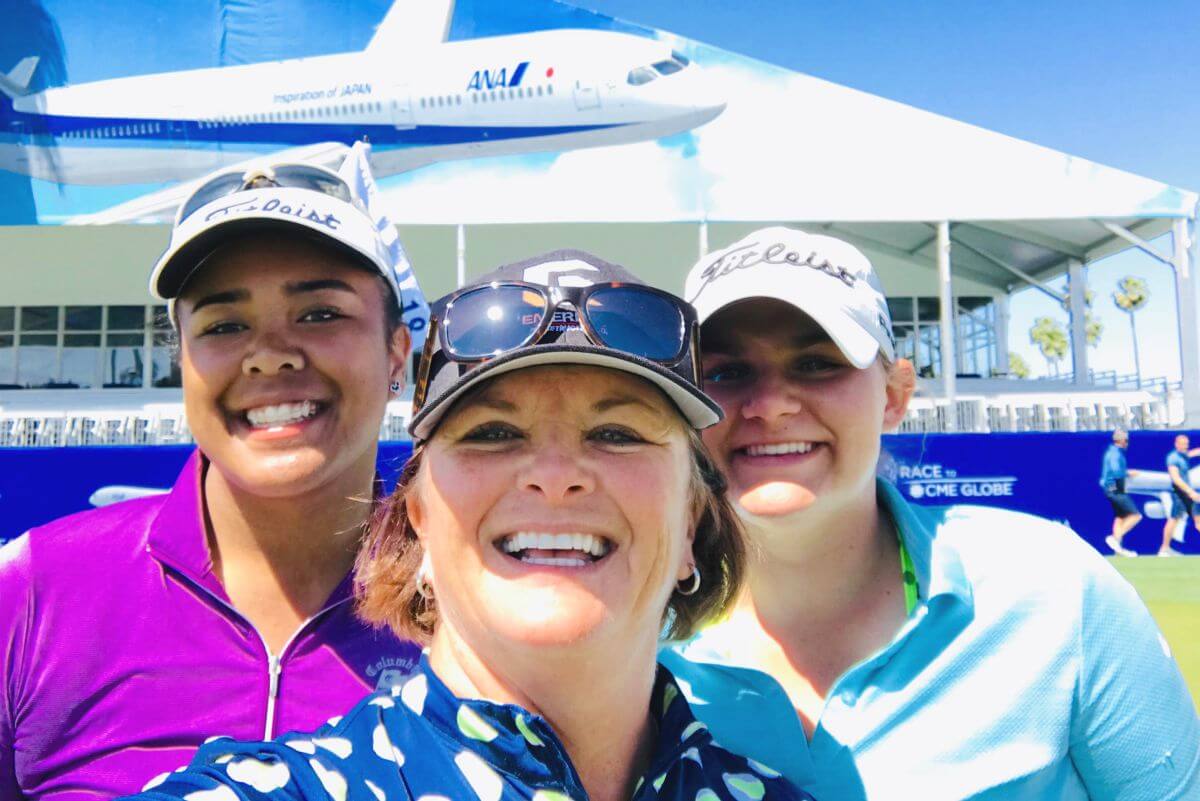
(559, 273)
(276, 206)
(750, 255)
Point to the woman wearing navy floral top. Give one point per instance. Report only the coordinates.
(557, 513)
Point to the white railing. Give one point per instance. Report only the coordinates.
(162, 423)
(1086, 412)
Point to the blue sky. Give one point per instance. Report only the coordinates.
(1114, 82)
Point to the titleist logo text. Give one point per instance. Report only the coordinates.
(275, 206)
(777, 253)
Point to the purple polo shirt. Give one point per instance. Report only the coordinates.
(120, 652)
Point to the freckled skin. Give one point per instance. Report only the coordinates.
(532, 452)
(780, 379)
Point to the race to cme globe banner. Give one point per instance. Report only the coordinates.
(1053, 475)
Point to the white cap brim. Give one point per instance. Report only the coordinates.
(807, 290)
(335, 221)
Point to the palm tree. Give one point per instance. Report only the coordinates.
(1051, 338)
(1017, 366)
(1092, 327)
(1131, 295)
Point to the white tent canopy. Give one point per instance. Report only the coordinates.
(890, 177)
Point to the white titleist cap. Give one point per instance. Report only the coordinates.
(829, 280)
(329, 219)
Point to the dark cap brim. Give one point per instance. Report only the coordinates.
(697, 408)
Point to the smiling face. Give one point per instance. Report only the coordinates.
(554, 509)
(286, 362)
(802, 425)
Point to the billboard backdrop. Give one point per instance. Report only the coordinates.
(122, 86)
(1054, 475)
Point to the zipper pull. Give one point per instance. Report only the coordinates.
(274, 668)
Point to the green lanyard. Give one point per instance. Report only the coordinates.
(911, 593)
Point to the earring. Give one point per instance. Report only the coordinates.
(695, 583)
(395, 387)
(424, 588)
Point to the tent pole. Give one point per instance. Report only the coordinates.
(461, 276)
(1136, 241)
(1078, 309)
(1003, 265)
(703, 238)
(1185, 253)
(147, 348)
(946, 325)
(1001, 333)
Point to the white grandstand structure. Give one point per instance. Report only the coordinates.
(955, 218)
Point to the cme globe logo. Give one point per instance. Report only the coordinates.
(936, 482)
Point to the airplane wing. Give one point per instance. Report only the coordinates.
(160, 206)
(115, 493)
(412, 23)
(1154, 482)
(1149, 482)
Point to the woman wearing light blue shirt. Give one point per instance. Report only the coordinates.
(887, 651)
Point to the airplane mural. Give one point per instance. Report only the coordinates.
(416, 97)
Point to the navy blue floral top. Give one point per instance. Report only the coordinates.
(418, 742)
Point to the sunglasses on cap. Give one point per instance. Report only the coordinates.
(290, 176)
(476, 324)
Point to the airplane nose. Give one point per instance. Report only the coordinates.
(699, 93)
(710, 111)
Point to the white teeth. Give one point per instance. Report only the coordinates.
(530, 541)
(554, 561)
(281, 414)
(778, 449)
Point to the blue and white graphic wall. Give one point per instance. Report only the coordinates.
(488, 111)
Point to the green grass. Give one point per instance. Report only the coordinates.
(1171, 588)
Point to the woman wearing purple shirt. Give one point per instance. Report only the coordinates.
(133, 633)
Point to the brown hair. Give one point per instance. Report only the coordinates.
(391, 554)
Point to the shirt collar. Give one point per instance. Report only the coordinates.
(937, 565)
(522, 744)
(178, 534)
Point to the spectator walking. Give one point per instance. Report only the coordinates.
(1113, 473)
(1183, 497)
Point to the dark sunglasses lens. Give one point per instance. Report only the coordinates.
(637, 321)
(492, 320)
(305, 177)
(220, 186)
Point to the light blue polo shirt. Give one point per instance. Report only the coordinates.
(1114, 467)
(1029, 670)
(1180, 462)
